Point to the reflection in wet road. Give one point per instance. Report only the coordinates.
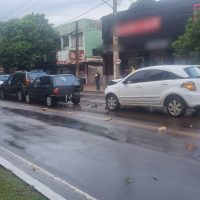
(111, 159)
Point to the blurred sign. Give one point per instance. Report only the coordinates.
(72, 56)
(147, 25)
(157, 44)
(62, 57)
(196, 11)
(118, 61)
(69, 57)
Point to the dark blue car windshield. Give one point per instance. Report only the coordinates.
(4, 78)
(34, 75)
(65, 80)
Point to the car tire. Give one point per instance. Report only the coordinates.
(75, 101)
(112, 102)
(2, 94)
(19, 96)
(176, 106)
(27, 98)
(50, 102)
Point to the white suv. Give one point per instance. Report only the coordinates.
(175, 87)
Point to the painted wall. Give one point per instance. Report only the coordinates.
(92, 34)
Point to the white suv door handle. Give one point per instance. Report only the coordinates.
(138, 86)
(164, 84)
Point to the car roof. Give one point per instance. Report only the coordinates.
(33, 71)
(57, 75)
(176, 69)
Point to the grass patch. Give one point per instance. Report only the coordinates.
(12, 188)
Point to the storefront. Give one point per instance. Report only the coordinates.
(146, 34)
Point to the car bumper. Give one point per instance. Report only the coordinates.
(65, 97)
(193, 100)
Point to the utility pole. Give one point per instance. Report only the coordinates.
(77, 49)
(116, 60)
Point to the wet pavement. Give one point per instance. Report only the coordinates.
(133, 154)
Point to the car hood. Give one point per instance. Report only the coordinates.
(114, 81)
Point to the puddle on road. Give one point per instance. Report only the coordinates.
(14, 144)
(61, 121)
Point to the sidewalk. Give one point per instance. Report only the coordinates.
(92, 88)
(92, 95)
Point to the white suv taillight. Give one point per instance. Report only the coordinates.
(189, 85)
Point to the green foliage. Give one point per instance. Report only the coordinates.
(188, 44)
(24, 42)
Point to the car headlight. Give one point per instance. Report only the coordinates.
(189, 85)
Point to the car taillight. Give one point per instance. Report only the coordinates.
(26, 82)
(189, 85)
(56, 91)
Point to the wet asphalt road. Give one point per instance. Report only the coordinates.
(124, 155)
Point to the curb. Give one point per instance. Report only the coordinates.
(41, 188)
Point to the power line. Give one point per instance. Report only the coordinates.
(14, 10)
(33, 5)
(23, 8)
(86, 12)
(107, 3)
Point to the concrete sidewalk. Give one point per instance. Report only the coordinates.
(92, 88)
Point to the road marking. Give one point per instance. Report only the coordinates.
(77, 190)
(43, 189)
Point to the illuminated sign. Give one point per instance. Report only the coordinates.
(147, 25)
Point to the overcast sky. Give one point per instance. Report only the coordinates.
(57, 11)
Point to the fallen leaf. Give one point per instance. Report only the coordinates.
(155, 179)
(190, 147)
(162, 129)
(94, 106)
(44, 109)
(34, 168)
(128, 180)
(71, 113)
(108, 119)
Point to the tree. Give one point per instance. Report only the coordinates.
(24, 42)
(188, 44)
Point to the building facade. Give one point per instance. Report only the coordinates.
(146, 34)
(89, 35)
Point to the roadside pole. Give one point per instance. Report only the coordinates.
(116, 66)
(77, 49)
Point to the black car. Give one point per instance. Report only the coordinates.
(54, 88)
(17, 84)
(4, 78)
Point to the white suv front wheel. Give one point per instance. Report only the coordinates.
(176, 106)
(112, 102)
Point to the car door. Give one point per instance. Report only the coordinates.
(131, 89)
(34, 89)
(11, 88)
(157, 82)
(45, 87)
